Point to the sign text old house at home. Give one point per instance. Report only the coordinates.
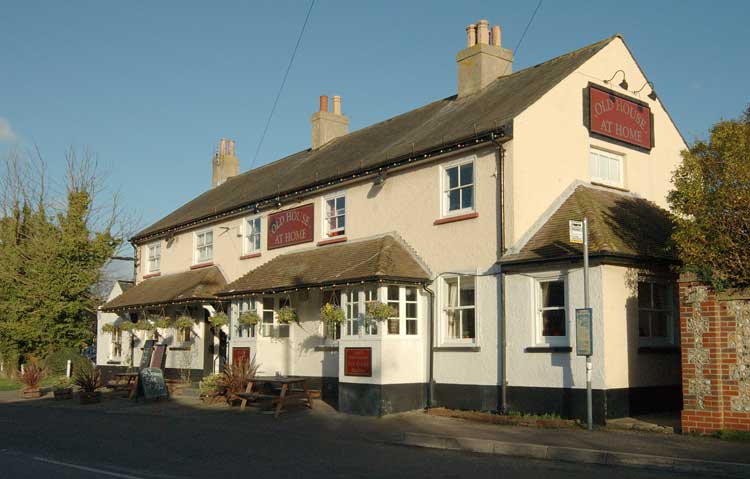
(358, 362)
(289, 227)
(619, 118)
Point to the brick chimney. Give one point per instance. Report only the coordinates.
(224, 164)
(328, 125)
(483, 60)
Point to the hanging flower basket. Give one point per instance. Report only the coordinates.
(249, 318)
(184, 322)
(162, 322)
(144, 325)
(287, 315)
(108, 328)
(126, 326)
(380, 311)
(219, 320)
(332, 314)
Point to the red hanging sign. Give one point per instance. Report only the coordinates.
(289, 227)
(358, 362)
(624, 119)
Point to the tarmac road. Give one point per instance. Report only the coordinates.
(38, 441)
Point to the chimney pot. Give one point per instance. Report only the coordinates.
(323, 102)
(223, 147)
(337, 105)
(496, 35)
(483, 33)
(471, 35)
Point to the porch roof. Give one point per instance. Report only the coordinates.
(179, 288)
(384, 258)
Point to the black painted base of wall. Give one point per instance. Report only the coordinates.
(467, 396)
(380, 399)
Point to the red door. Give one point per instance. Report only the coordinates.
(240, 355)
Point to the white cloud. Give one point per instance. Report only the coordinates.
(6, 132)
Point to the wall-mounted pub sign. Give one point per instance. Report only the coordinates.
(358, 362)
(621, 118)
(293, 226)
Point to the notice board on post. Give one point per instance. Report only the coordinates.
(584, 336)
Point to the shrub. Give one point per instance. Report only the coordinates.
(211, 385)
(88, 379)
(235, 377)
(32, 374)
(56, 362)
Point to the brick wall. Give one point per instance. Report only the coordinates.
(715, 332)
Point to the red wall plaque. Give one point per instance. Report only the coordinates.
(240, 355)
(623, 119)
(289, 227)
(358, 362)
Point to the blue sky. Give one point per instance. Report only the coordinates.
(151, 86)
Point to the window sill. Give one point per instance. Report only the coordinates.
(334, 240)
(453, 219)
(113, 362)
(548, 349)
(465, 349)
(179, 348)
(202, 265)
(151, 275)
(666, 349)
(250, 256)
(328, 349)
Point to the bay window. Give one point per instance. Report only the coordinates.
(459, 307)
(551, 318)
(239, 307)
(404, 300)
(655, 311)
(355, 308)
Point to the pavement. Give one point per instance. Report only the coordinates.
(184, 438)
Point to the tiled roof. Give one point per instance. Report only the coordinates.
(442, 122)
(620, 224)
(195, 285)
(382, 258)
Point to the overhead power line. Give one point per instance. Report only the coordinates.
(526, 29)
(283, 82)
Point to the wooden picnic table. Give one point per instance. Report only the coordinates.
(131, 382)
(286, 391)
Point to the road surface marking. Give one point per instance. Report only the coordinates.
(86, 468)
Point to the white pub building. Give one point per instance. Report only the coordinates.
(456, 215)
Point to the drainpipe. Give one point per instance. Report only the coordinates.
(500, 163)
(431, 385)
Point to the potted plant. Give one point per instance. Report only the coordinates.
(62, 389)
(286, 315)
(88, 380)
(219, 320)
(31, 375)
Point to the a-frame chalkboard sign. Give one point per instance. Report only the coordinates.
(150, 382)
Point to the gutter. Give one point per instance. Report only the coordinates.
(614, 258)
(500, 252)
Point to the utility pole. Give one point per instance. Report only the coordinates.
(589, 414)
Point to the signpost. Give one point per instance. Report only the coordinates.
(589, 414)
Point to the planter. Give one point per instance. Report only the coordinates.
(63, 393)
(88, 397)
(32, 393)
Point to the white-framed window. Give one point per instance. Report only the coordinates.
(252, 234)
(355, 308)
(267, 315)
(606, 167)
(551, 312)
(333, 297)
(458, 187)
(283, 328)
(270, 324)
(116, 350)
(404, 299)
(334, 219)
(459, 308)
(655, 311)
(204, 246)
(154, 257)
